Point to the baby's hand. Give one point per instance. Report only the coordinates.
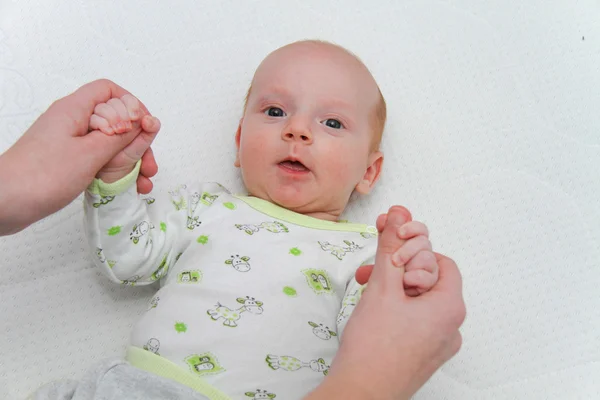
(413, 251)
(416, 254)
(116, 115)
(121, 116)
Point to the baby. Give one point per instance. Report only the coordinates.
(256, 290)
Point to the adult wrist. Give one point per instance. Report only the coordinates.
(12, 211)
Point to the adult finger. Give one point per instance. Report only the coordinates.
(149, 168)
(363, 273)
(450, 278)
(381, 220)
(449, 289)
(144, 185)
(386, 275)
(380, 224)
(150, 124)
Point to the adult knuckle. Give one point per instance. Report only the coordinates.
(104, 81)
(457, 343)
(459, 314)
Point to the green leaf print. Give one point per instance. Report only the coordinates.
(202, 239)
(115, 230)
(180, 327)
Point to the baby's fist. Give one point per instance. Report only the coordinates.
(416, 254)
(116, 115)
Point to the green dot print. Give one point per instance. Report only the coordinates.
(114, 231)
(202, 239)
(290, 291)
(229, 205)
(180, 327)
(295, 251)
(163, 227)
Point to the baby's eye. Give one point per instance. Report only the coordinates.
(333, 123)
(275, 112)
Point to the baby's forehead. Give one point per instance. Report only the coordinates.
(322, 67)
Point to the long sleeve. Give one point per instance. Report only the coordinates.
(136, 239)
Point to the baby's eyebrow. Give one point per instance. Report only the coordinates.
(273, 92)
(338, 104)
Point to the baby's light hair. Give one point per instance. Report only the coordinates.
(379, 114)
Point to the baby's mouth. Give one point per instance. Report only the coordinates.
(293, 165)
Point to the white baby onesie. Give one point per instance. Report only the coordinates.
(253, 297)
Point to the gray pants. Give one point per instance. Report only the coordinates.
(115, 379)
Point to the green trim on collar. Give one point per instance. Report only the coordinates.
(284, 214)
(101, 188)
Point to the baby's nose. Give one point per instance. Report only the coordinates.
(297, 129)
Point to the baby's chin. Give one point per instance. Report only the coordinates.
(291, 198)
(295, 201)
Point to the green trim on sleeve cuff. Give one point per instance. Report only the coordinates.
(101, 188)
(161, 366)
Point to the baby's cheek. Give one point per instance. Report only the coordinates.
(346, 170)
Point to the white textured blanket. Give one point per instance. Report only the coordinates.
(493, 140)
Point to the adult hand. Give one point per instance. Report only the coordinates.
(394, 343)
(57, 158)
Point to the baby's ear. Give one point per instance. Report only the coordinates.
(238, 136)
(372, 173)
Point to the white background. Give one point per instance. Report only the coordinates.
(493, 140)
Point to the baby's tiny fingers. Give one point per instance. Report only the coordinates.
(410, 249)
(412, 229)
(108, 113)
(133, 107)
(418, 281)
(124, 125)
(101, 124)
(424, 260)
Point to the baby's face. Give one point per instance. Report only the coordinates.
(305, 140)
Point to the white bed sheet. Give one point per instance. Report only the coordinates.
(493, 140)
